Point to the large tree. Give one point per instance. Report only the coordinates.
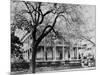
(40, 19)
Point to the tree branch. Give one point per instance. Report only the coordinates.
(26, 6)
(45, 33)
(31, 6)
(49, 11)
(39, 13)
(89, 41)
(29, 11)
(42, 17)
(49, 26)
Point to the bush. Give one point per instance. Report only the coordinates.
(19, 66)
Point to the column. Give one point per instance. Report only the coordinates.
(77, 52)
(69, 49)
(28, 53)
(63, 50)
(63, 53)
(44, 53)
(54, 53)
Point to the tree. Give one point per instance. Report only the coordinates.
(15, 46)
(40, 19)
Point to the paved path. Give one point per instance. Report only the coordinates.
(52, 69)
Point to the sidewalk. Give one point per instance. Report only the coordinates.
(53, 69)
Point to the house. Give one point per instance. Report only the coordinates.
(49, 50)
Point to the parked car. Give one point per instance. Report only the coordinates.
(88, 61)
(91, 61)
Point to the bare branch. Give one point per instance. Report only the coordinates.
(49, 26)
(48, 12)
(89, 40)
(42, 17)
(39, 5)
(26, 6)
(59, 15)
(39, 12)
(31, 6)
(46, 32)
(29, 11)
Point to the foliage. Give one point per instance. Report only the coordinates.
(19, 66)
(15, 46)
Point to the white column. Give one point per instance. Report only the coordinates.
(77, 51)
(44, 50)
(69, 53)
(63, 53)
(44, 53)
(63, 50)
(54, 53)
(28, 53)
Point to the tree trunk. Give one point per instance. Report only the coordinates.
(33, 61)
